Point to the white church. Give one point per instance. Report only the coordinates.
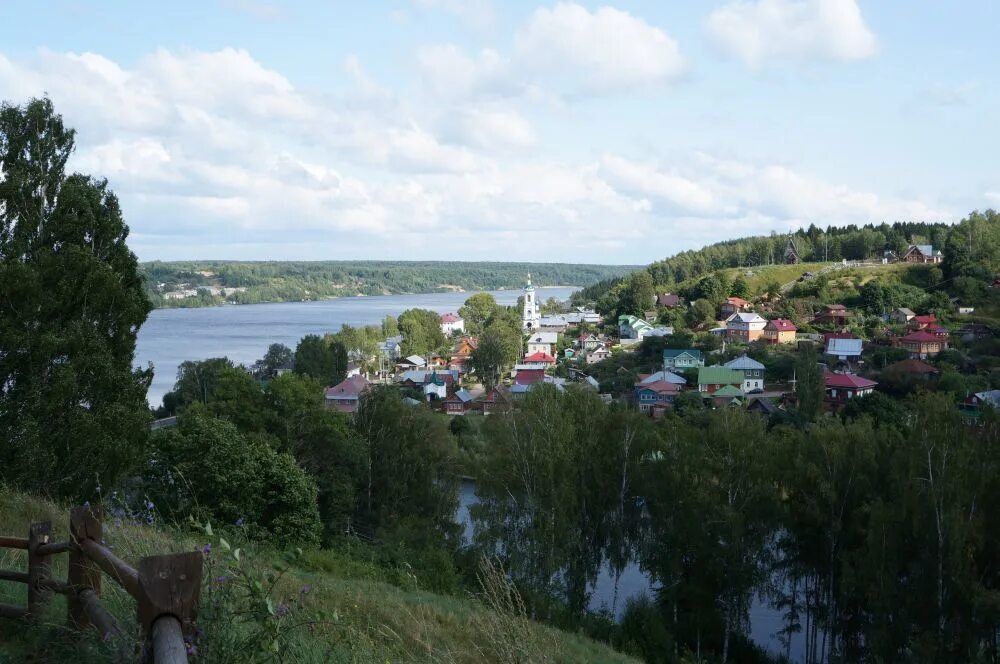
(531, 317)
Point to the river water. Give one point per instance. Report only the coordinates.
(243, 332)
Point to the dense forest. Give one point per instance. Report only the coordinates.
(281, 281)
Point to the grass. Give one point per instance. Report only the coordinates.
(351, 613)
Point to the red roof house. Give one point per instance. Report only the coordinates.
(922, 344)
(913, 367)
(841, 387)
(540, 358)
(529, 376)
(922, 322)
(346, 396)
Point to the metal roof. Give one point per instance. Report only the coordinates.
(744, 363)
(844, 347)
(719, 376)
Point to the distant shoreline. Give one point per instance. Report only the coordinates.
(349, 297)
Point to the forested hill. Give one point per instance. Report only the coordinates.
(813, 244)
(207, 283)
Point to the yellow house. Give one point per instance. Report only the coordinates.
(779, 331)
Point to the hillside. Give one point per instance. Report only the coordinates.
(209, 283)
(357, 611)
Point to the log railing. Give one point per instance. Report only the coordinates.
(166, 588)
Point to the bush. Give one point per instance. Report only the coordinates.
(644, 632)
(206, 468)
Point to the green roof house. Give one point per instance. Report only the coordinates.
(712, 379)
(675, 359)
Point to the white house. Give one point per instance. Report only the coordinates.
(542, 342)
(752, 370)
(745, 326)
(596, 355)
(451, 323)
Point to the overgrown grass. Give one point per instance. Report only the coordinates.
(338, 607)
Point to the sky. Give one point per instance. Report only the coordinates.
(489, 130)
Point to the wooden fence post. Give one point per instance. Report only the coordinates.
(39, 569)
(169, 588)
(84, 574)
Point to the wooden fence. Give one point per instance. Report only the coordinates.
(166, 588)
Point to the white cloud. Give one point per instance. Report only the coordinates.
(609, 48)
(759, 31)
(488, 128)
(646, 180)
(447, 71)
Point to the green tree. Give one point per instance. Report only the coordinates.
(73, 409)
(390, 327)
(276, 357)
(810, 388)
(637, 296)
(489, 359)
(478, 309)
(701, 313)
(740, 287)
(421, 330)
(207, 468)
(325, 361)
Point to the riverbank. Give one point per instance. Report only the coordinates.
(172, 336)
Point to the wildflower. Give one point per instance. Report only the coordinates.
(207, 549)
(239, 521)
(192, 650)
(304, 589)
(221, 579)
(282, 610)
(149, 505)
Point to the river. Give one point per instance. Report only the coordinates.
(765, 619)
(243, 332)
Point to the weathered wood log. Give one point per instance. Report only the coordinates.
(169, 587)
(120, 571)
(55, 586)
(84, 523)
(10, 575)
(168, 641)
(53, 548)
(14, 612)
(39, 569)
(13, 543)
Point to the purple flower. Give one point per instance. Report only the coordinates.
(192, 650)
(239, 521)
(304, 589)
(221, 579)
(207, 549)
(282, 610)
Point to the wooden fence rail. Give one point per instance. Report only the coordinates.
(166, 588)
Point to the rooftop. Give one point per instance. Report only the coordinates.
(719, 376)
(744, 363)
(849, 381)
(782, 325)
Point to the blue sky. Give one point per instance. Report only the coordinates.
(582, 132)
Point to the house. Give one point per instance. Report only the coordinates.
(589, 342)
(834, 315)
(659, 331)
(529, 376)
(451, 323)
(669, 301)
(417, 378)
(539, 358)
(990, 398)
(745, 327)
(436, 388)
(763, 406)
(844, 348)
(346, 395)
(913, 367)
(922, 322)
(711, 379)
(632, 327)
(842, 387)
(791, 253)
(922, 344)
(678, 359)
(458, 403)
(657, 394)
(752, 370)
(901, 316)
(390, 348)
(733, 305)
(779, 331)
(728, 395)
(496, 400)
(353, 369)
(974, 332)
(921, 253)
(664, 376)
(542, 342)
(597, 355)
(964, 311)
(411, 362)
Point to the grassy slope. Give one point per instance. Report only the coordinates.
(786, 275)
(375, 621)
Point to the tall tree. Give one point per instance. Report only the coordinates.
(73, 409)
(325, 361)
(478, 309)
